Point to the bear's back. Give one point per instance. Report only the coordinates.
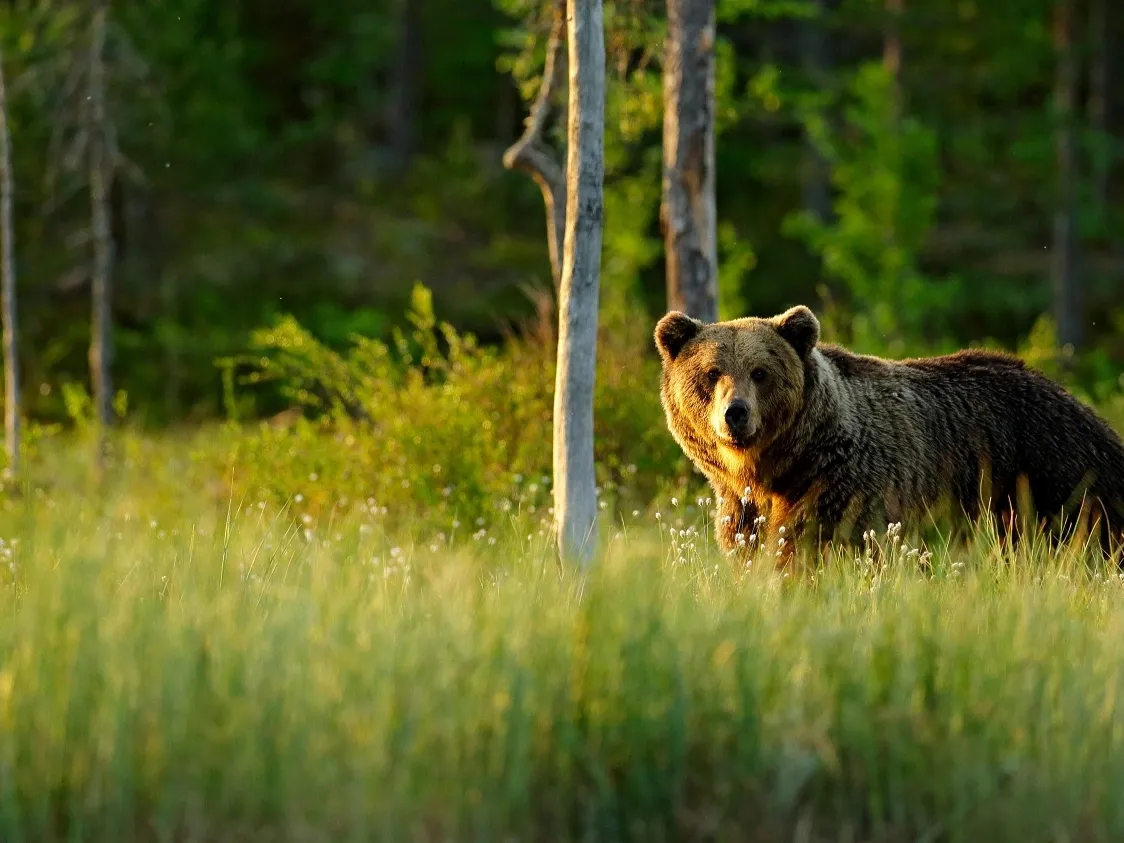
(950, 415)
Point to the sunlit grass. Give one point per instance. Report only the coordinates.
(175, 666)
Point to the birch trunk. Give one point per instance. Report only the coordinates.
(8, 292)
(575, 500)
(1066, 283)
(688, 211)
(101, 172)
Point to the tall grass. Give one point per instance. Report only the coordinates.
(232, 673)
(353, 628)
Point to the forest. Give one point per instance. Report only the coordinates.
(317, 160)
(299, 358)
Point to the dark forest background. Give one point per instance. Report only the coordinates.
(925, 173)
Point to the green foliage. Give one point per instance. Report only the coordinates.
(1094, 375)
(437, 428)
(729, 10)
(738, 260)
(1040, 349)
(80, 405)
(885, 170)
(257, 177)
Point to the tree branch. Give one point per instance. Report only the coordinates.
(533, 157)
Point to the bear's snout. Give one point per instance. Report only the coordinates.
(738, 420)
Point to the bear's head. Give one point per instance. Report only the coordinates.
(730, 389)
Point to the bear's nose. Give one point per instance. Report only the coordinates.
(737, 414)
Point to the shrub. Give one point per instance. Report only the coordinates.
(434, 428)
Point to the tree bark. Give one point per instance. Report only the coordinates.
(1098, 98)
(1066, 282)
(575, 500)
(688, 210)
(892, 41)
(530, 154)
(101, 175)
(8, 292)
(817, 64)
(400, 115)
(892, 62)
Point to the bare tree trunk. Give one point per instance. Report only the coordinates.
(892, 61)
(400, 116)
(173, 368)
(1098, 98)
(8, 292)
(688, 211)
(101, 175)
(1066, 282)
(575, 499)
(817, 64)
(892, 41)
(531, 155)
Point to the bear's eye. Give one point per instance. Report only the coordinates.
(713, 375)
(758, 375)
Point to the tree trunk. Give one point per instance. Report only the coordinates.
(531, 155)
(8, 292)
(101, 175)
(1066, 282)
(892, 62)
(575, 500)
(1098, 100)
(401, 108)
(817, 65)
(688, 211)
(892, 41)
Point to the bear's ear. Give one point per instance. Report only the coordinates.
(674, 331)
(799, 328)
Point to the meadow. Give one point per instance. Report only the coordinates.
(354, 627)
(312, 594)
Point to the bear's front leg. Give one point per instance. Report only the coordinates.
(735, 520)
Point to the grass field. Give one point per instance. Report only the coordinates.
(176, 665)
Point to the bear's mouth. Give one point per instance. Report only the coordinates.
(740, 441)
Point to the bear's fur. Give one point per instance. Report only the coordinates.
(795, 433)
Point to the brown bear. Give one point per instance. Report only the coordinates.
(796, 434)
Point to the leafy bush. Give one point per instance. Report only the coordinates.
(886, 171)
(438, 429)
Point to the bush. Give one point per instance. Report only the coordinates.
(434, 428)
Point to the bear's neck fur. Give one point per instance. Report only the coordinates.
(788, 466)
